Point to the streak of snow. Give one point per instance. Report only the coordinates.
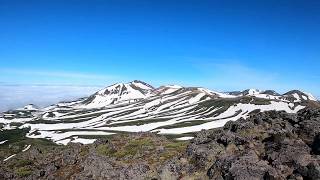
(196, 98)
(27, 148)
(141, 85)
(16, 120)
(297, 97)
(310, 96)
(152, 103)
(184, 138)
(57, 136)
(220, 120)
(83, 140)
(63, 142)
(2, 142)
(174, 86)
(222, 95)
(304, 97)
(6, 159)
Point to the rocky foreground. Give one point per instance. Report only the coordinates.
(268, 145)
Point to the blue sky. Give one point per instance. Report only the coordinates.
(221, 45)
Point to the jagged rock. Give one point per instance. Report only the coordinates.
(272, 149)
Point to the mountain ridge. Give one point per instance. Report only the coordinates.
(137, 106)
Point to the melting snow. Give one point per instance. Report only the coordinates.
(60, 137)
(253, 92)
(16, 120)
(83, 141)
(184, 138)
(297, 97)
(6, 159)
(174, 86)
(141, 85)
(27, 148)
(218, 122)
(122, 104)
(2, 142)
(222, 95)
(310, 96)
(63, 142)
(196, 98)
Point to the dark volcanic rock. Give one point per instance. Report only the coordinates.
(268, 145)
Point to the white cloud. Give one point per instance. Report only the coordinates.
(15, 96)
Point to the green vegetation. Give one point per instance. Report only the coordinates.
(135, 147)
(23, 171)
(23, 162)
(253, 133)
(104, 149)
(13, 135)
(179, 145)
(128, 149)
(17, 141)
(84, 151)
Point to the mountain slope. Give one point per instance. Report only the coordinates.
(137, 106)
(267, 145)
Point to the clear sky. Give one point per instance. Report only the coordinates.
(221, 45)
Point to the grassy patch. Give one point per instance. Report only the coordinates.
(24, 162)
(13, 135)
(152, 149)
(84, 151)
(253, 133)
(104, 149)
(135, 147)
(23, 171)
(17, 142)
(178, 146)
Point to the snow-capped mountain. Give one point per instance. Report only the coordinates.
(121, 92)
(137, 106)
(291, 96)
(298, 96)
(29, 107)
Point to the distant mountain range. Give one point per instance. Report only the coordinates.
(137, 106)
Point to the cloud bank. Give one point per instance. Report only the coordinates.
(16, 96)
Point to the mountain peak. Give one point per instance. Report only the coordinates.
(270, 92)
(120, 92)
(29, 107)
(300, 95)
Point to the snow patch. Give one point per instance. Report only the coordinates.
(6, 159)
(196, 98)
(27, 148)
(297, 97)
(2, 142)
(83, 140)
(60, 137)
(184, 138)
(310, 96)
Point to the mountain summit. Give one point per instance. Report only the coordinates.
(120, 92)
